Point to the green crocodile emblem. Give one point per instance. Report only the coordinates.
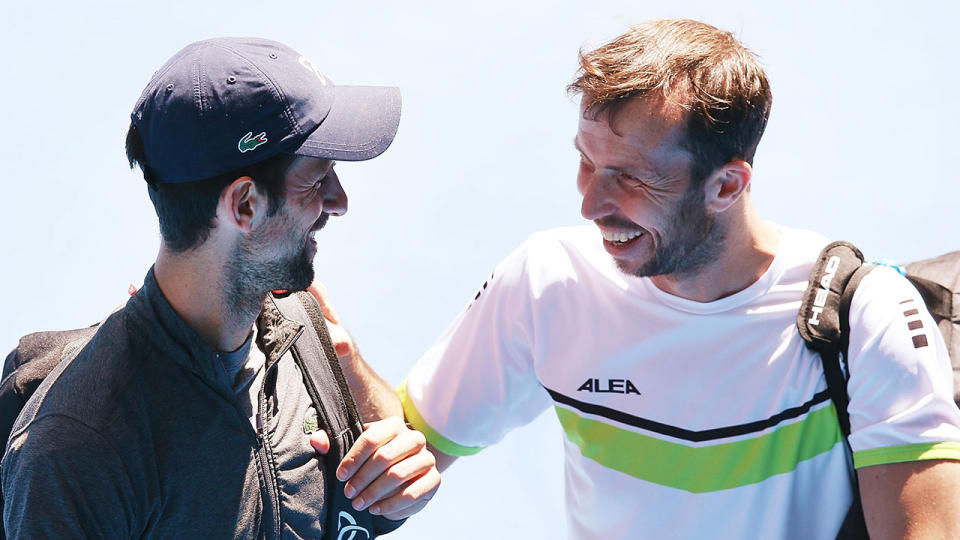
(310, 423)
(250, 141)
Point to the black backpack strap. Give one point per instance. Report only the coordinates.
(314, 353)
(854, 524)
(823, 317)
(312, 308)
(845, 299)
(824, 324)
(336, 409)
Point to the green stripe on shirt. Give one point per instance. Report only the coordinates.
(907, 452)
(705, 468)
(438, 441)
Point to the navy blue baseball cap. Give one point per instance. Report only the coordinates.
(224, 103)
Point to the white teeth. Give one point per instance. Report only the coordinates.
(619, 236)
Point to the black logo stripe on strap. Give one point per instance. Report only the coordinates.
(686, 434)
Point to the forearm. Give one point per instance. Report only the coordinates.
(374, 396)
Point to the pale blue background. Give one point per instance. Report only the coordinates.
(862, 144)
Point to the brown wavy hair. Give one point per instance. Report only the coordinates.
(717, 81)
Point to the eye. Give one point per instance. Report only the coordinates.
(326, 175)
(317, 188)
(629, 180)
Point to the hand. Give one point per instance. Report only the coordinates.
(388, 470)
(342, 340)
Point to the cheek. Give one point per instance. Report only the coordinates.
(303, 207)
(313, 207)
(638, 208)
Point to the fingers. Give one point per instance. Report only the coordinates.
(375, 435)
(320, 441)
(342, 340)
(410, 499)
(389, 470)
(319, 291)
(404, 488)
(391, 466)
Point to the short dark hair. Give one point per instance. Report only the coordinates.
(718, 82)
(186, 210)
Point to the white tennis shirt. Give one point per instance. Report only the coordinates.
(685, 419)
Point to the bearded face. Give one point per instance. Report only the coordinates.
(277, 256)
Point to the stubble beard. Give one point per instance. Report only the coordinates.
(692, 240)
(250, 276)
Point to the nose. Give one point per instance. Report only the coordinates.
(595, 203)
(333, 196)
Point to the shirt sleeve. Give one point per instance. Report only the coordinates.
(478, 382)
(62, 480)
(901, 380)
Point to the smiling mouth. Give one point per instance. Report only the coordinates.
(319, 224)
(620, 237)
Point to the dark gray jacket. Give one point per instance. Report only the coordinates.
(141, 436)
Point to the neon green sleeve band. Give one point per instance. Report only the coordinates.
(909, 452)
(438, 441)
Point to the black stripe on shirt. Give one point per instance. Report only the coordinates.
(686, 434)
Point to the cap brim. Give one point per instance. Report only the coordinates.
(361, 124)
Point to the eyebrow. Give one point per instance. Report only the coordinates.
(329, 167)
(576, 144)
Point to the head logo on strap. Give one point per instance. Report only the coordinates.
(251, 142)
(820, 300)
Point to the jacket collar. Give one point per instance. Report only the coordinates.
(275, 333)
(177, 340)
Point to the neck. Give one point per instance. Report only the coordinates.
(748, 250)
(197, 285)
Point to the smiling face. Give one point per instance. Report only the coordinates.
(636, 186)
(279, 253)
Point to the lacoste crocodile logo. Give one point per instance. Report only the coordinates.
(251, 142)
(310, 423)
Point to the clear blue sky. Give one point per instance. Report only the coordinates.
(862, 145)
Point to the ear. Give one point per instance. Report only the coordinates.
(727, 184)
(241, 204)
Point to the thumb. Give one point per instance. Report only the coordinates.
(342, 341)
(320, 441)
(319, 292)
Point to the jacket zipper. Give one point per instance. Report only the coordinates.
(265, 450)
(272, 500)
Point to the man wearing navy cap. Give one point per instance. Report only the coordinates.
(159, 427)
